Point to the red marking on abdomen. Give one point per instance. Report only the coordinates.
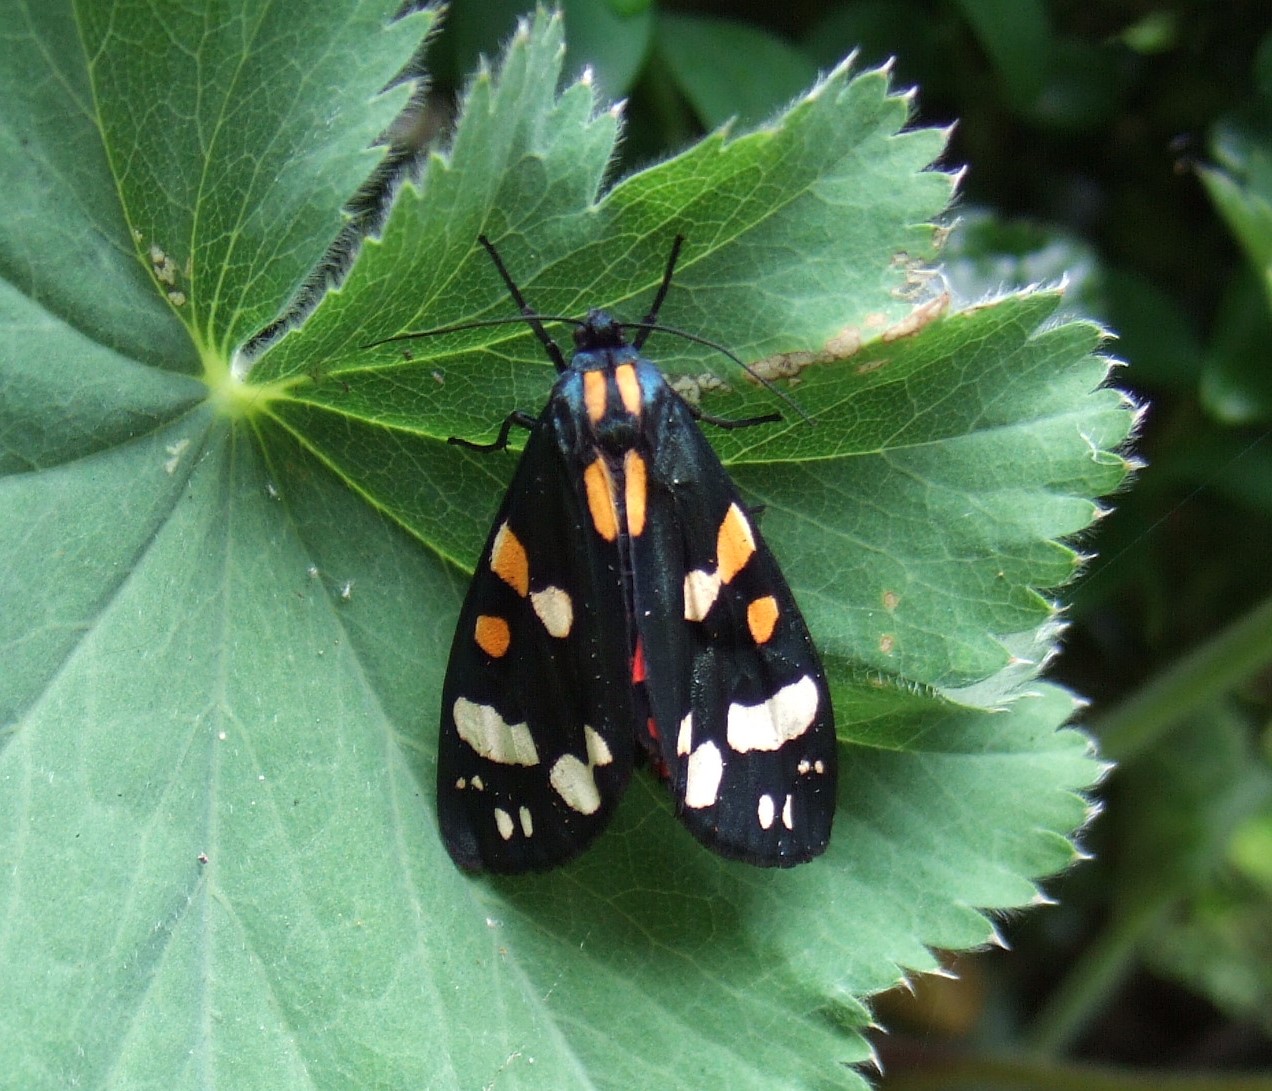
(638, 664)
(656, 761)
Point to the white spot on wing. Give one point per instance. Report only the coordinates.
(504, 821)
(527, 823)
(555, 610)
(704, 770)
(787, 820)
(765, 811)
(482, 728)
(598, 751)
(684, 740)
(784, 716)
(574, 783)
(701, 589)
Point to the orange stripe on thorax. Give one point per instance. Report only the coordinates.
(628, 387)
(594, 395)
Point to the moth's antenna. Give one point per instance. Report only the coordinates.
(475, 324)
(644, 327)
(649, 322)
(528, 313)
(777, 392)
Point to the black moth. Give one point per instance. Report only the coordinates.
(625, 604)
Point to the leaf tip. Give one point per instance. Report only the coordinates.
(873, 1059)
(839, 72)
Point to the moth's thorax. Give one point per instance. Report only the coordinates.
(607, 391)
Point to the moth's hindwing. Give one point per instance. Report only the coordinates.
(536, 743)
(740, 711)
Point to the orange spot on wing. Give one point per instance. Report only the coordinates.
(492, 635)
(635, 494)
(508, 561)
(734, 544)
(761, 618)
(598, 484)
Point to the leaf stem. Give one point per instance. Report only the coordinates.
(1188, 684)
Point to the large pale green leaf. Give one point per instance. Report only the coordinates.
(230, 581)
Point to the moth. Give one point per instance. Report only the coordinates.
(626, 608)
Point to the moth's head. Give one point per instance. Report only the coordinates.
(599, 330)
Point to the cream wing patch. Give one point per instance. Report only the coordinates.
(765, 811)
(503, 820)
(555, 609)
(703, 773)
(573, 781)
(785, 716)
(684, 737)
(482, 728)
(702, 588)
(598, 751)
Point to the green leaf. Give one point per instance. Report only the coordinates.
(1189, 799)
(1161, 345)
(231, 589)
(986, 255)
(1236, 385)
(1242, 192)
(1262, 69)
(1017, 36)
(731, 70)
(1156, 32)
(909, 36)
(613, 36)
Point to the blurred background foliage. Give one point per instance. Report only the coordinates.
(1125, 146)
